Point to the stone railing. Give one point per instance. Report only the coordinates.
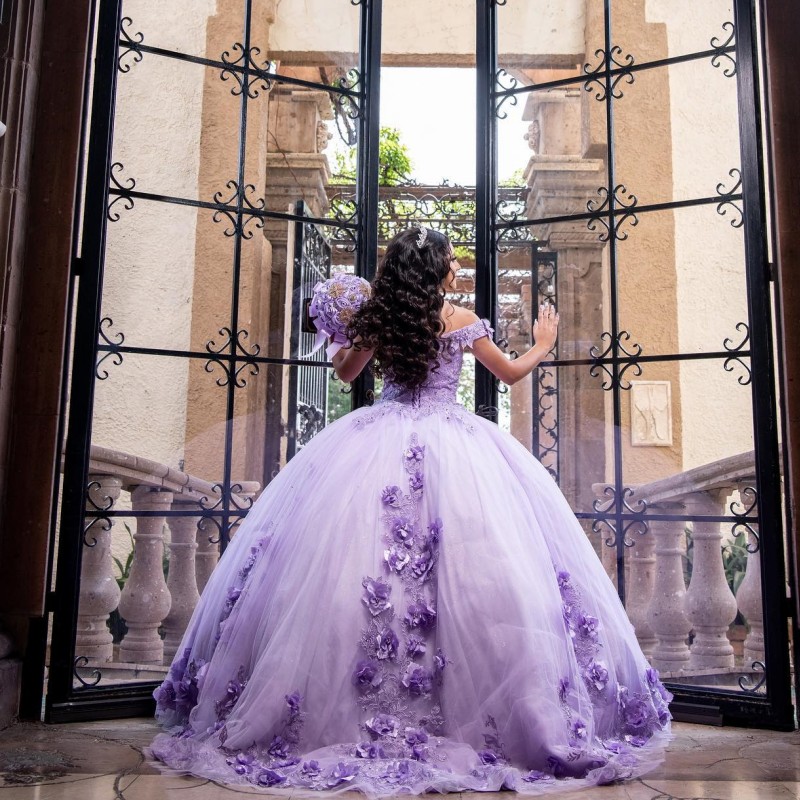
(149, 604)
(684, 630)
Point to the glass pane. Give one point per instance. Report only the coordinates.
(681, 283)
(195, 150)
(677, 135)
(167, 276)
(668, 28)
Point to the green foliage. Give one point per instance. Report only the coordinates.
(395, 162)
(125, 569)
(516, 178)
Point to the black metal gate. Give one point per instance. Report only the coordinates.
(241, 222)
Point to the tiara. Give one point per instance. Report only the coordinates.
(423, 233)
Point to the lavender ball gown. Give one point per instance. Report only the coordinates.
(411, 606)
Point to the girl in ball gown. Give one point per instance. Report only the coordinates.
(411, 605)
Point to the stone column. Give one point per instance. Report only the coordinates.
(710, 604)
(666, 610)
(145, 599)
(642, 563)
(99, 591)
(207, 554)
(181, 579)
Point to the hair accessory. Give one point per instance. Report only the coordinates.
(423, 233)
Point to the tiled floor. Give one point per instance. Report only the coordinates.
(104, 761)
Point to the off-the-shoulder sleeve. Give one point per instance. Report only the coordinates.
(465, 336)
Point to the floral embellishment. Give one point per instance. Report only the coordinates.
(415, 647)
(417, 679)
(596, 675)
(577, 731)
(233, 693)
(376, 595)
(387, 644)
(396, 558)
(563, 689)
(342, 773)
(367, 674)
(382, 725)
(392, 496)
(488, 757)
(403, 530)
(587, 626)
(368, 750)
(420, 615)
(269, 777)
(417, 484)
(414, 455)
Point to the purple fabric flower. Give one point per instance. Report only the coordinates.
(614, 746)
(269, 777)
(488, 756)
(180, 666)
(596, 675)
(242, 763)
(165, 695)
(563, 689)
(368, 750)
(367, 674)
(417, 483)
(422, 565)
(419, 752)
(294, 700)
(230, 599)
(232, 694)
(376, 595)
(414, 647)
(414, 454)
(392, 496)
(186, 694)
(635, 710)
(249, 562)
(420, 615)
(415, 736)
(435, 533)
(382, 725)
(636, 741)
(587, 626)
(396, 558)
(279, 748)
(417, 679)
(403, 531)
(342, 773)
(563, 579)
(310, 768)
(577, 731)
(386, 644)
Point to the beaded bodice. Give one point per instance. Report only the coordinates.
(441, 384)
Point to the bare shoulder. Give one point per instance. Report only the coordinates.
(458, 317)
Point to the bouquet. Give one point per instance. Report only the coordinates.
(333, 306)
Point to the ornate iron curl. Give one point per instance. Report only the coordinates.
(347, 107)
(244, 72)
(510, 83)
(113, 352)
(107, 501)
(728, 364)
(106, 526)
(201, 527)
(82, 661)
(728, 197)
(747, 507)
(235, 341)
(604, 505)
(746, 681)
(722, 51)
(608, 63)
(236, 490)
(121, 193)
(746, 528)
(487, 412)
(219, 493)
(129, 44)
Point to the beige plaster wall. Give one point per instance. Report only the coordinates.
(715, 410)
(443, 31)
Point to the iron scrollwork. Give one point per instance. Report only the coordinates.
(129, 43)
(738, 353)
(610, 71)
(724, 52)
(80, 662)
(746, 682)
(110, 346)
(121, 192)
(728, 198)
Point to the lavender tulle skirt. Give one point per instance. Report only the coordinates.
(411, 606)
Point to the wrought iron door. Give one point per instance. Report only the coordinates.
(207, 125)
(646, 181)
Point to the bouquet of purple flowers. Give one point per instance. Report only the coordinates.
(333, 306)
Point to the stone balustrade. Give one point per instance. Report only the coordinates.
(684, 629)
(156, 609)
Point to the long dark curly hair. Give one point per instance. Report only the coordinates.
(402, 320)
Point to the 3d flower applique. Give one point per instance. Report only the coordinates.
(376, 595)
(367, 674)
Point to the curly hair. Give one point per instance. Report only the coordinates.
(402, 319)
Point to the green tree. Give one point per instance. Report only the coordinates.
(395, 162)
